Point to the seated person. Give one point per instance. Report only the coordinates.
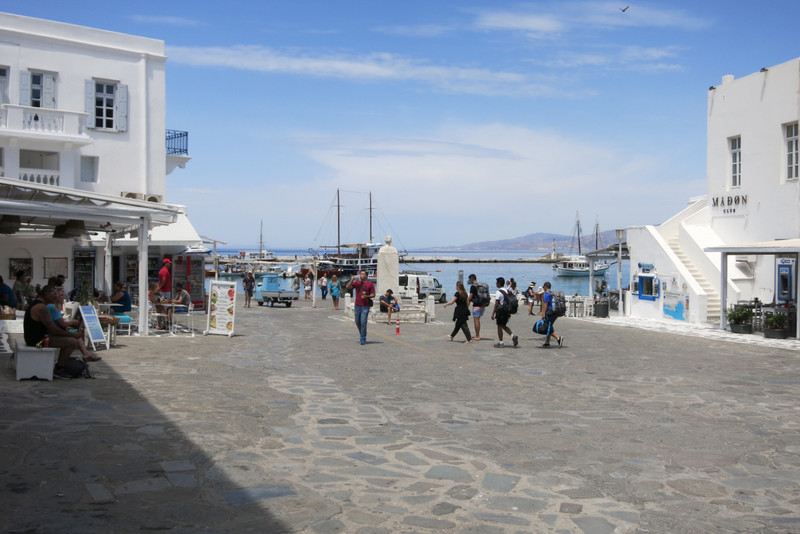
(7, 296)
(183, 299)
(72, 326)
(38, 323)
(388, 304)
(154, 304)
(122, 297)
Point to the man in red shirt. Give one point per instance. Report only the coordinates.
(364, 293)
(165, 279)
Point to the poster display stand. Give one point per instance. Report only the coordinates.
(221, 308)
(93, 327)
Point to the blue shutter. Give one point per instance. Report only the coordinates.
(49, 91)
(89, 102)
(24, 88)
(122, 108)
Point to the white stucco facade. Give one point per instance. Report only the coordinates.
(83, 109)
(753, 195)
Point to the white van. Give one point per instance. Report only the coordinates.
(416, 284)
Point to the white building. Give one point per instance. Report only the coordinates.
(750, 215)
(84, 151)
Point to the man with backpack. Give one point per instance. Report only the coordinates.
(551, 310)
(505, 304)
(479, 298)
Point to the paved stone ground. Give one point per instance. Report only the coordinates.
(292, 426)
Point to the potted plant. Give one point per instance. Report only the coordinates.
(740, 318)
(775, 326)
(601, 298)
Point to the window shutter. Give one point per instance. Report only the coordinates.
(122, 108)
(49, 91)
(3, 90)
(89, 102)
(24, 88)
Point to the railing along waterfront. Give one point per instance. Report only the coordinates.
(177, 143)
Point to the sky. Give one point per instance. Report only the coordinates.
(467, 121)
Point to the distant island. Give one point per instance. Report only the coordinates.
(538, 242)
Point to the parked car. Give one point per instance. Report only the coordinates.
(273, 288)
(419, 285)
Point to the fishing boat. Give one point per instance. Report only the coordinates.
(236, 265)
(578, 265)
(355, 257)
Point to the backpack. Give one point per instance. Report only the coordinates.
(77, 368)
(483, 299)
(559, 303)
(510, 303)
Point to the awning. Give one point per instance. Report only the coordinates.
(180, 233)
(771, 248)
(42, 208)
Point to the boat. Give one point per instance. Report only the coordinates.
(236, 265)
(356, 257)
(578, 265)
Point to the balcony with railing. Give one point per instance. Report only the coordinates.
(42, 123)
(177, 143)
(177, 149)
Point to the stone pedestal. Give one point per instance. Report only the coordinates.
(388, 269)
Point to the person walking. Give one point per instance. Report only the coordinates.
(479, 298)
(549, 316)
(461, 313)
(249, 286)
(323, 286)
(364, 292)
(307, 287)
(335, 288)
(501, 316)
(530, 296)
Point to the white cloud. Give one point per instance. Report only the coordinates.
(366, 67)
(166, 20)
(459, 184)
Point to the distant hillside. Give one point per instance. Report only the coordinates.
(539, 242)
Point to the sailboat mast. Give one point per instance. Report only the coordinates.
(338, 225)
(578, 225)
(371, 237)
(261, 241)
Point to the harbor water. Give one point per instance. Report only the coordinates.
(448, 273)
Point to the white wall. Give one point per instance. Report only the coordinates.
(133, 160)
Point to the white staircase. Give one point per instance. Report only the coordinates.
(713, 309)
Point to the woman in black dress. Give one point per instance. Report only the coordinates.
(461, 313)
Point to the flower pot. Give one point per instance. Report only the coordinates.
(741, 328)
(601, 309)
(776, 333)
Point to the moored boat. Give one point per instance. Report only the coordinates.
(578, 265)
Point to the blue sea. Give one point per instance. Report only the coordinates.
(523, 273)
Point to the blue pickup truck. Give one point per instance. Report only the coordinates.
(273, 288)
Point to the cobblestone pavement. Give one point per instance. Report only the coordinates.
(292, 426)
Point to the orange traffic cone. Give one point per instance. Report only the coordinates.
(397, 332)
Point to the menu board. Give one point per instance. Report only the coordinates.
(221, 308)
(93, 327)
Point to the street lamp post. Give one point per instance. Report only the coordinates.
(620, 237)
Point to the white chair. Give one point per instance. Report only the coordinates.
(189, 314)
(125, 323)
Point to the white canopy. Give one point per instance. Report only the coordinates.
(41, 208)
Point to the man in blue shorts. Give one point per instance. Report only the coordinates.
(549, 316)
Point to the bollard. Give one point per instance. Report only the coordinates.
(397, 332)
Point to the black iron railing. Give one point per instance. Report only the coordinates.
(177, 142)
